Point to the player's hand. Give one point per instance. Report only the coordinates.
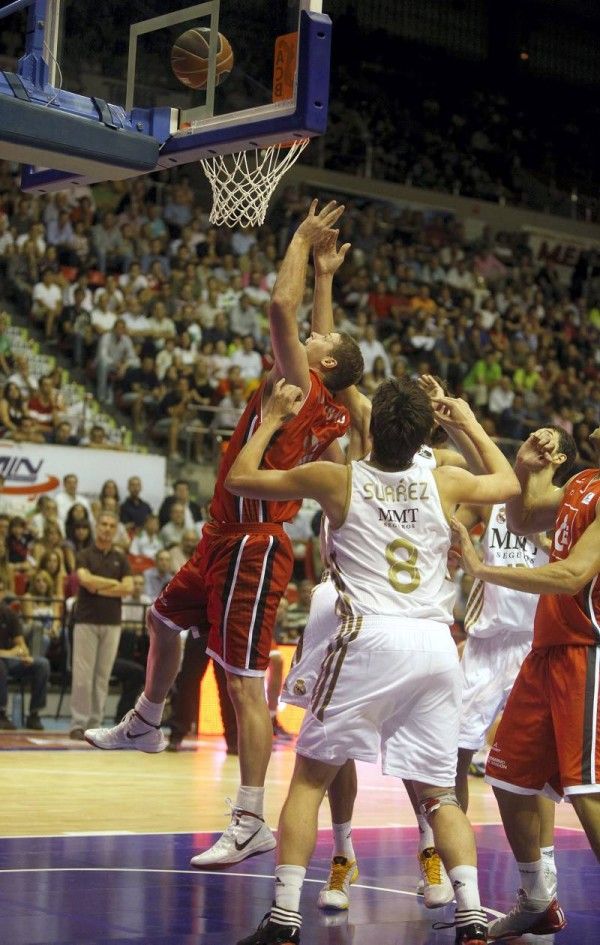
(470, 560)
(326, 255)
(431, 386)
(315, 225)
(284, 402)
(536, 451)
(453, 413)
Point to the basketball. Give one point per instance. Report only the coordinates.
(189, 58)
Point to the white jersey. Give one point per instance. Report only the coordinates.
(492, 609)
(425, 457)
(389, 556)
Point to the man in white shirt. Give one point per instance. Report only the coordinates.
(102, 319)
(133, 608)
(160, 326)
(244, 317)
(115, 352)
(501, 396)
(460, 278)
(148, 542)
(371, 348)
(230, 409)
(47, 301)
(248, 360)
(64, 500)
(134, 279)
(172, 532)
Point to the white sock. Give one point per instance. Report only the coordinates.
(288, 887)
(425, 833)
(548, 858)
(466, 890)
(151, 712)
(533, 881)
(251, 799)
(342, 840)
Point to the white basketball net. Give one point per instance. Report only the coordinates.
(242, 183)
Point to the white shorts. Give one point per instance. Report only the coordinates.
(388, 686)
(312, 646)
(489, 668)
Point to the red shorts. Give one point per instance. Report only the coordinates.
(231, 586)
(549, 737)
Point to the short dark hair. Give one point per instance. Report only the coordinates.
(568, 446)
(350, 365)
(401, 419)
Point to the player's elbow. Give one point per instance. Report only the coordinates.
(237, 482)
(282, 304)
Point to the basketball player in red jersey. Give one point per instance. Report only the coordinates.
(243, 563)
(549, 737)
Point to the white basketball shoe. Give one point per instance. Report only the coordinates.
(132, 733)
(247, 835)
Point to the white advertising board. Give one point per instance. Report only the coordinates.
(34, 469)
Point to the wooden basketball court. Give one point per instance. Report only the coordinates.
(96, 848)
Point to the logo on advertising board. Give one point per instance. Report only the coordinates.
(24, 477)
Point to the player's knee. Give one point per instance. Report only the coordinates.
(245, 690)
(429, 805)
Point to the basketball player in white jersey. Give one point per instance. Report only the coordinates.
(434, 885)
(391, 678)
(498, 625)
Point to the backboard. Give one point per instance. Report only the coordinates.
(117, 54)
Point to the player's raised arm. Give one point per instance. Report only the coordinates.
(534, 508)
(327, 258)
(325, 482)
(498, 481)
(469, 453)
(290, 355)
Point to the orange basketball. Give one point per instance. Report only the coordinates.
(189, 58)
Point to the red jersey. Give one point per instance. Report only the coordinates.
(562, 618)
(320, 421)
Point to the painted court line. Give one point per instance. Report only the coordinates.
(195, 833)
(221, 873)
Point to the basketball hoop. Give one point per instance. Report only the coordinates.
(243, 183)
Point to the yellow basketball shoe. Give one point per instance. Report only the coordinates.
(437, 888)
(336, 891)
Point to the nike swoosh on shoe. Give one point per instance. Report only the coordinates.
(242, 846)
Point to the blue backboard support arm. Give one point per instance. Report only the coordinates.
(304, 118)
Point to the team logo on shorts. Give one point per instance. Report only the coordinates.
(588, 498)
(501, 516)
(299, 688)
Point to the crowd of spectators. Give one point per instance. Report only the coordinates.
(170, 315)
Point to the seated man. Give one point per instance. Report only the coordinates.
(16, 663)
